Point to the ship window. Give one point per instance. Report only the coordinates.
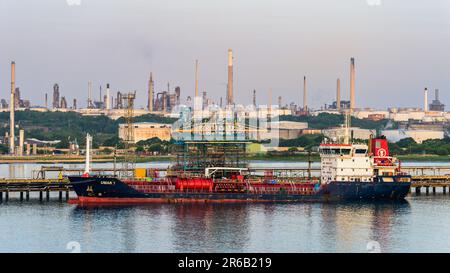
(360, 151)
(345, 151)
(336, 151)
(378, 144)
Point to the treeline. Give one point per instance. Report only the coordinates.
(68, 126)
(155, 146)
(304, 141)
(325, 120)
(409, 146)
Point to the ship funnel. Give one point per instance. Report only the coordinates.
(379, 146)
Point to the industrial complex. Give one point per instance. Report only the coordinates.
(430, 121)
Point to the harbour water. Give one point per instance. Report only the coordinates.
(420, 224)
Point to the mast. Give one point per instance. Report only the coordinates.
(87, 167)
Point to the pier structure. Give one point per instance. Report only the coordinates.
(433, 180)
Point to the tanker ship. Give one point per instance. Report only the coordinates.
(216, 172)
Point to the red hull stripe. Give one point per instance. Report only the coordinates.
(104, 200)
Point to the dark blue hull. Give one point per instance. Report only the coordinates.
(99, 189)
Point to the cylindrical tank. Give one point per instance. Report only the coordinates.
(194, 184)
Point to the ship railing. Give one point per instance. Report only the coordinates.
(304, 189)
(385, 161)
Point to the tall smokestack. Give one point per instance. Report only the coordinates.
(108, 99)
(230, 78)
(11, 108)
(196, 78)
(425, 100)
(436, 94)
(21, 141)
(254, 97)
(338, 95)
(89, 94)
(352, 83)
(151, 91)
(46, 101)
(305, 103)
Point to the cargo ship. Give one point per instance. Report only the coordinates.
(209, 172)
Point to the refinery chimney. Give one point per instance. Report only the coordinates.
(352, 83)
(151, 91)
(108, 100)
(425, 100)
(11, 108)
(230, 78)
(305, 103)
(89, 94)
(21, 141)
(338, 95)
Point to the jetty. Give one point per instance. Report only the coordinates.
(424, 178)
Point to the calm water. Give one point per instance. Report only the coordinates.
(421, 224)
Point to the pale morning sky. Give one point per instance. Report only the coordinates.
(400, 46)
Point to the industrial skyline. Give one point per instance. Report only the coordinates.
(275, 56)
(166, 100)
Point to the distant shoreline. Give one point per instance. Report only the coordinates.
(143, 159)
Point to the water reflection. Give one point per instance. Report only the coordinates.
(210, 227)
(299, 227)
(350, 226)
(100, 225)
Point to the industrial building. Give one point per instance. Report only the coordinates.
(436, 105)
(147, 130)
(354, 132)
(291, 129)
(166, 101)
(418, 135)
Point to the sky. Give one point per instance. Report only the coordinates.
(400, 47)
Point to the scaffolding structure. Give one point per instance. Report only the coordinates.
(130, 157)
(193, 157)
